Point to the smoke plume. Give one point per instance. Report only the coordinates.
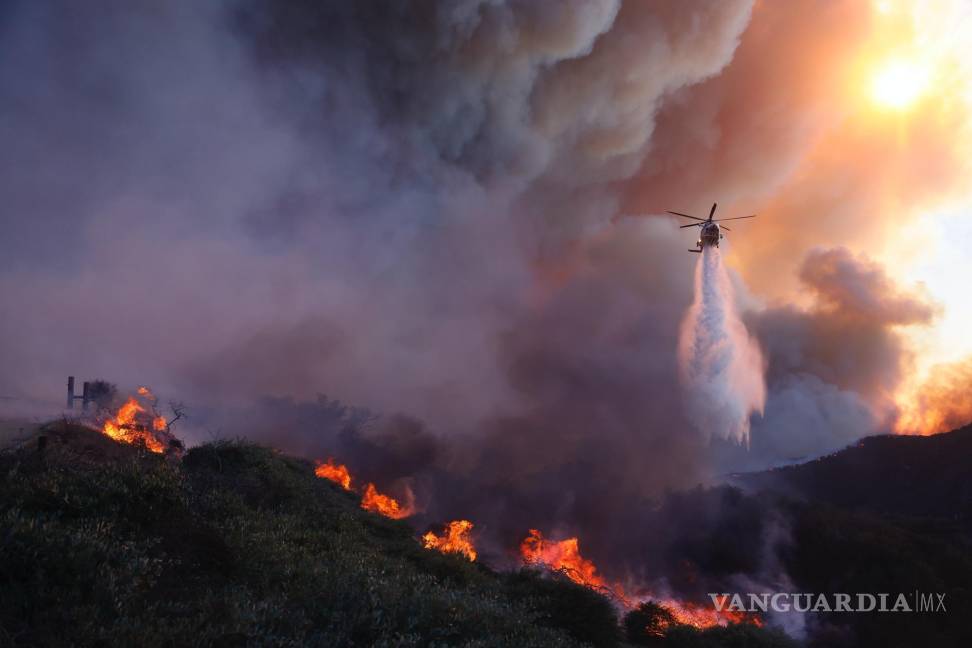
(413, 209)
(720, 364)
(834, 363)
(407, 207)
(941, 403)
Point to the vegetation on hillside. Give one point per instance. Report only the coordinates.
(104, 543)
(107, 544)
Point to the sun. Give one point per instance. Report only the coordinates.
(898, 84)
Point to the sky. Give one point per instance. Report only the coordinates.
(452, 213)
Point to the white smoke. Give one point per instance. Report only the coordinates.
(721, 365)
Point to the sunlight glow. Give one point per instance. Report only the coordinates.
(898, 84)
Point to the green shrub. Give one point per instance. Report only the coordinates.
(560, 603)
(237, 545)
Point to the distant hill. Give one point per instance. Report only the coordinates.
(888, 514)
(927, 479)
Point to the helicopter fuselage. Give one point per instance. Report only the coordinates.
(709, 235)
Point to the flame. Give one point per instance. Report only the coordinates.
(371, 499)
(701, 616)
(456, 539)
(144, 391)
(337, 473)
(125, 428)
(696, 616)
(388, 506)
(560, 555)
(565, 556)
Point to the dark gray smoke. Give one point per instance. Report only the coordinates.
(376, 201)
(417, 208)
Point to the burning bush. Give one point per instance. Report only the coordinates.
(337, 473)
(654, 624)
(560, 555)
(133, 424)
(386, 505)
(137, 421)
(371, 499)
(647, 624)
(564, 556)
(455, 539)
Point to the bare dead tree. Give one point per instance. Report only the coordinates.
(178, 412)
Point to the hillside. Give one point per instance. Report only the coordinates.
(105, 543)
(889, 514)
(237, 545)
(921, 480)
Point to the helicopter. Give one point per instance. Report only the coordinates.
(710, 232)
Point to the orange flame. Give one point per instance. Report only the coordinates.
(125, 428)
(371, 499)
(456, 539)
(701, 616)
(562, 555)
(374, 501)
(565, 556)
(337, 473)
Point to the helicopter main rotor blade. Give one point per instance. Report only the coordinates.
(686, 215)
(712, 211)
(723, 227)
(718, 220)
(690, 225)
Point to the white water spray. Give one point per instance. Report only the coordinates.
(721, 365)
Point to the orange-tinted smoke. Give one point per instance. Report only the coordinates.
(818, 160)
(942, 403)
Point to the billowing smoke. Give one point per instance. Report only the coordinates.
(941, 403)
(834, 363)
(409, 206)
(720, 364)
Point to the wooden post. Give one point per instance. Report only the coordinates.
(85, 398)
(70, 393)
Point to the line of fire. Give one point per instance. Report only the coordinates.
(138, 422)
